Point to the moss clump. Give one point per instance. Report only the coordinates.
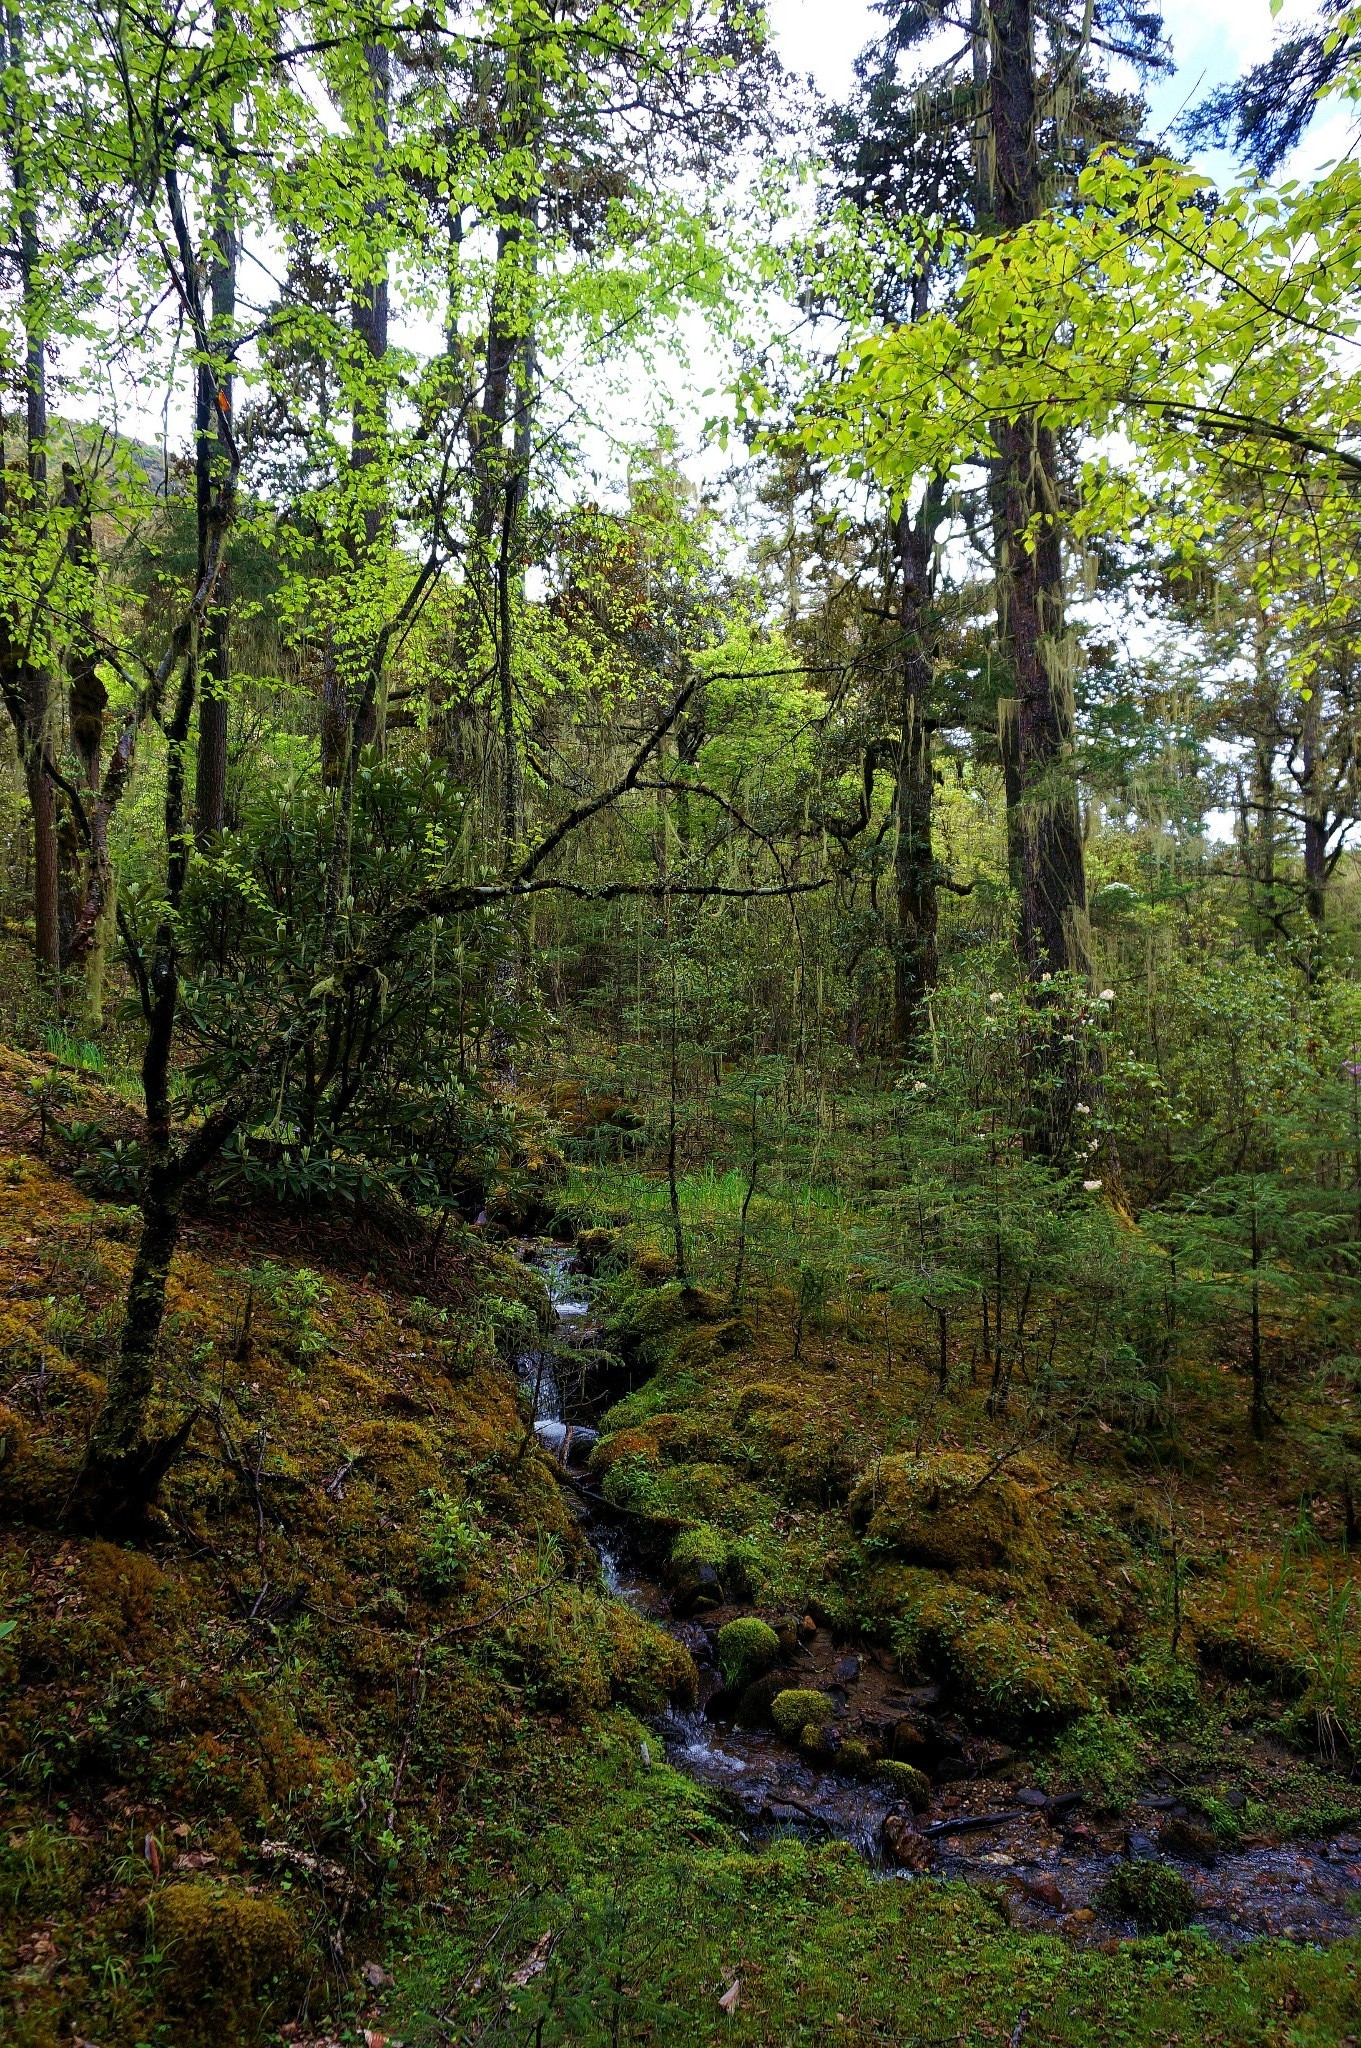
(746, 1648)
(1030, 1670)
(905, 1781)
(1156, 1899)
(944, 1511)
(769, 1395)
(796, 1709)
(596, 1245)
(224, 1950)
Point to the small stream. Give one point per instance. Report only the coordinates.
(984, 1824)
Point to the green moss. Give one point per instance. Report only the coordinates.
(1156, 1899)
(1030, 1670)
(905, 1782)
(746, 1648)
(223, 1951)
(797, 1708)
(945, 1511)
(575, 1652)
(1165, 1696)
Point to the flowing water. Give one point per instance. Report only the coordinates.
(982, 1825)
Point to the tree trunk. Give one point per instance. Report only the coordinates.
(1035, 644)
(914, 860)
(350, 720)
(26, 681)
(1314, 803)
(215, 393)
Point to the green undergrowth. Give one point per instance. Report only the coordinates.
(632, 1911)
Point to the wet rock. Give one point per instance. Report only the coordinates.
(1192, 1840)
(987, 1758)
(1045, 1891)
(907, 1741)
(902, 1845)
(1031, 1795)
(700, 1587)
(846, 1670)
(568, 1442)
(753, 1708)
(1140, 1848)
(1060, 1808)
(1237, 1799)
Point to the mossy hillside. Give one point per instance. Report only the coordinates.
(646, 1909)
(222, 1747)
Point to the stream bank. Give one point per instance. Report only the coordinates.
(1051, 1862)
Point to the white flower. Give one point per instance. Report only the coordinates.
(1046, 977)
(1107, 995)
(1083, 1110)
(996, 996)
(1068, 1038)
(1095, 1145)
(919, 1087)
(1092, 1186)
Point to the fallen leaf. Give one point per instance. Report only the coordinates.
(152, 1854)
(728, 2002)
(375, 1976)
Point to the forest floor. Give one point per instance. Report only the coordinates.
(354, 1744)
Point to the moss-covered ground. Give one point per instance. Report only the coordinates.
(349, 1745)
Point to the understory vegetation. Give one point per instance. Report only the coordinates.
(613, 669)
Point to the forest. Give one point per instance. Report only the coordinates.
(680, 1025)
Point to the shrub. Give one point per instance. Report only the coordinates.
(449, 1543)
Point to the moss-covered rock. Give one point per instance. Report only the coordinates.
(946, 1511)
(746, 1649)
(904, 1781)
(1029, 1669)
(798, 1708)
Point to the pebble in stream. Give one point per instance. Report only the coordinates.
(1049, 1861)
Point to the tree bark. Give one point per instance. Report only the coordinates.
(215, 393)
(1315, 806)
(27, 683)
(1035, 644)
(914, 860)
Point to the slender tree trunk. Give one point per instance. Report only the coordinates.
(914, 859)
(27, 681)
(352, 706)
(1315, 806)
(215, 393)
(87, 701)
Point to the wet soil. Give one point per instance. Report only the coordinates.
(1043, 1856)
